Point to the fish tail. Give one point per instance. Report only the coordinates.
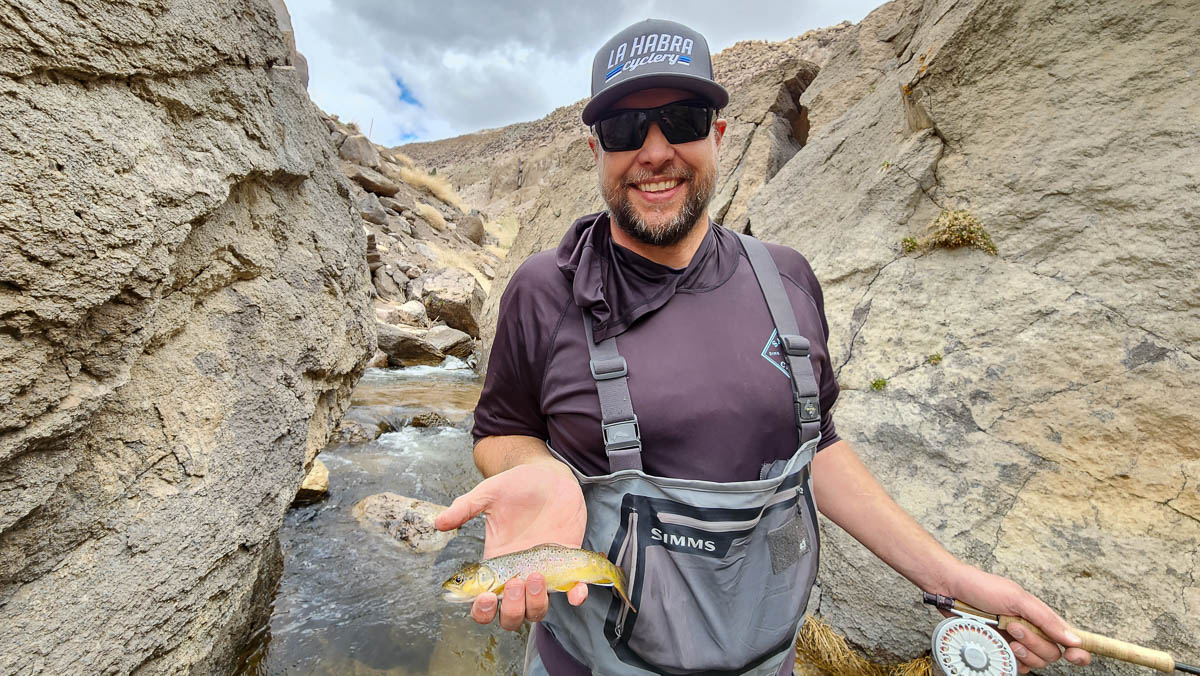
(620, 584)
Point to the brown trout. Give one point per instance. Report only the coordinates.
(561, 566)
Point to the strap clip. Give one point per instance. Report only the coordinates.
(797, 346)
(608, 369)
(808, 409)
(622, 434)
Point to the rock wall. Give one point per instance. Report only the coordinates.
(1037, 409)
(184, 308)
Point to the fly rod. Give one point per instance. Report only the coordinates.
(1093, 643)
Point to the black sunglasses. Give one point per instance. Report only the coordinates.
(680, 122)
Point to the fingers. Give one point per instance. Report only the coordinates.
(1032, 650)
(463, 509)
(512, 609)
(483, 609)
(577, 594)
(537, 600)
(1078, 656)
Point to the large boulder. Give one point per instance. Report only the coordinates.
(455, 297)
(451, 341)
(371, 180)
(406, 346)
(359, 150)
(184, 311)
(405, 521)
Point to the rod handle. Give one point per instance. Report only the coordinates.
(1103, 645)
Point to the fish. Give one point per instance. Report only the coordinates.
(562, 567)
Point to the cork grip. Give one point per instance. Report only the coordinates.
(1108, 647)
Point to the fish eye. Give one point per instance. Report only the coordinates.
(458, 579)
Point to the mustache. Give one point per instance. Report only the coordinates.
(646, 176)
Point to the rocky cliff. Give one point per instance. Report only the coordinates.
(184, 308)
(1036, 409)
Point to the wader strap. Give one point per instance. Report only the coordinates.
(622, 438)
(805, 394)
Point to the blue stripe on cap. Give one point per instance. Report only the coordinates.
(685, 59)
(613, 72)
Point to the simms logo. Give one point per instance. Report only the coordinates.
(681, 541)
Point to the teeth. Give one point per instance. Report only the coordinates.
(658, 187)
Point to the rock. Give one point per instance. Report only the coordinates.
(455, 297)
(184, 311)
(407, 346)
(386, 287)
(356, 431)
(471, 227)
(397, 225)
(412, 271)
(450, 341)
(315, 485)
(369, 179)
(416, 286)
(395, 204)
(429, 419)
(359, 150)
(379, 359)
(412, 313)
(371, 210)
(407, 521)
(301, 64)
(336, 137)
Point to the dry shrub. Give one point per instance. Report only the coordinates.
(822, 649)
(953, 229)
(434, 185)
(431, 216)
(402, 159)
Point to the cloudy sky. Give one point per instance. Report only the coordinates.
(418, 70)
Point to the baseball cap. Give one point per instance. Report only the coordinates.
(652, 53)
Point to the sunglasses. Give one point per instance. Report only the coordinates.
(680, 122)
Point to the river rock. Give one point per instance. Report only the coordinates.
(315, 485)
(359, 150)
(353, 431)
(184, 311)
(429, 419)
(379, 359)
(407, 346)
(370, 179)
(455, 297)
(407, 521)
(450, 341)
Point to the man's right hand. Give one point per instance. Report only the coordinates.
(527, 505)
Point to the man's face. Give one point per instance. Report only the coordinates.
(657, 193)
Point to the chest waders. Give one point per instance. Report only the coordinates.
(719, 573)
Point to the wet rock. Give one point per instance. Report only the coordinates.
(351, 431)
(450, 341)
(315, 486)
(455, 297)
(407, 346)
(429, 419)
(370, 179)
(407, 521)
(359, 150)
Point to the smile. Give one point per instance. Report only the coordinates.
(658, 186)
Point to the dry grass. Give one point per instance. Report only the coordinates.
(402, 159)
(821, 650)
(434, 185)
(431, 216)
(953, 229)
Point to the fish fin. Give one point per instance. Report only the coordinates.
(566, 586)
(499, 591)
(619, 587)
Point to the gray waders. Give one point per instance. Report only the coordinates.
(719, 573)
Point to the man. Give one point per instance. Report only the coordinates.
(650, 383)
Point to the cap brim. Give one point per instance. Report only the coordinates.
(707, 89)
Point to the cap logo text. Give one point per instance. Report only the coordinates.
(651, 48)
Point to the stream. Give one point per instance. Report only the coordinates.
(351, 600)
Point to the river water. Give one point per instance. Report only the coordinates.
(351, 601)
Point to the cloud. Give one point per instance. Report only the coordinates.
(426, 70)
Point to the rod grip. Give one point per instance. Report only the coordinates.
(1103, 645)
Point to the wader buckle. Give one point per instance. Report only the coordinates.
(622, 434)
(797, 346)
(609, 368)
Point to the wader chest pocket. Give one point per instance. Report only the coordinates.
(716, 589)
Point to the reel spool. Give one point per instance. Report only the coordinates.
(963, 646)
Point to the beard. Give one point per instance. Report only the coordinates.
(620, 209)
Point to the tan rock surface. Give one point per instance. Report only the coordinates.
(406, 521)
(315, 485)
(184, 309)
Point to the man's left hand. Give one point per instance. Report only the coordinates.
(995, 594)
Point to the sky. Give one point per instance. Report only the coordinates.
(412, 70)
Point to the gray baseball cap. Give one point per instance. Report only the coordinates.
(652, 53)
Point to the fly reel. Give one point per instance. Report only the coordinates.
(967, 646)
